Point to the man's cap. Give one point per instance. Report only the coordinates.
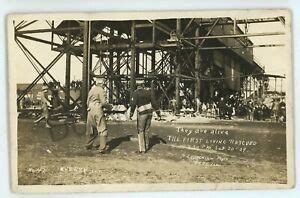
(44, 88)
(99, 79)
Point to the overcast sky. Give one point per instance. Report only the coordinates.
(272, 58)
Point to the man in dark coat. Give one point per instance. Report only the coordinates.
(144, 100)
(222, 108)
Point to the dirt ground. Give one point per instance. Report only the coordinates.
(217, 151)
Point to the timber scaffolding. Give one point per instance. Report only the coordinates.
(186, 57)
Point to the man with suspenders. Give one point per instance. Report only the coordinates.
(143, 98)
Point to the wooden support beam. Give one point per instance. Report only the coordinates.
(40, 76)
(40, 40)
(187, 26)
(111, 74)
(118, 88)
(143, 25)
(132, 59)
(25, 25)
(209, 32)
(19, 24)
(197, 66)
(146, 63)
(178, 69)
(153, 42)
(56, 30)
(250, 86)
(68, 71)
(238, 47)
(242, 21)
(137, 62)
(234, 26)
(164, 28)
(85, 66)
(109, 35)
(167, 89)
(235, 35)
(41, 73)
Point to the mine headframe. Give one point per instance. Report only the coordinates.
(184, 53)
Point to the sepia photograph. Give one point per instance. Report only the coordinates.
(146, 101)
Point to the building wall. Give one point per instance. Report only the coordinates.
(231, 68)
(246, 53)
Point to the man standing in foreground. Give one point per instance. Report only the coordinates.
(144, 100)
(96, 123)
(45, 104)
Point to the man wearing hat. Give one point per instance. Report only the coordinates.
(96, 123)
(144, 100)
(45, 105)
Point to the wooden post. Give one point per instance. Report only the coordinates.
(68, 71)
(250, 90)
(234, 26)
(254, 86)
(132, 59)
(146, 63)
(246, 87)
(111, 75)
(197, 66)
(137, 62)
(118, 73)
(153, 50)
(177, 71)
(85, 66)
(211, 87)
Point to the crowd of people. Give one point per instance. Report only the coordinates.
(76, 85)
(220, 106)
(225, 107)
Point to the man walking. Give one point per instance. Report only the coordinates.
(96, 123)
(144, 100)
(45, 104)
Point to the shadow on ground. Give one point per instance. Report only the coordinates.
(155, 139)
(113, 143)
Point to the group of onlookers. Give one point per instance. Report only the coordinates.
(232, 105)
